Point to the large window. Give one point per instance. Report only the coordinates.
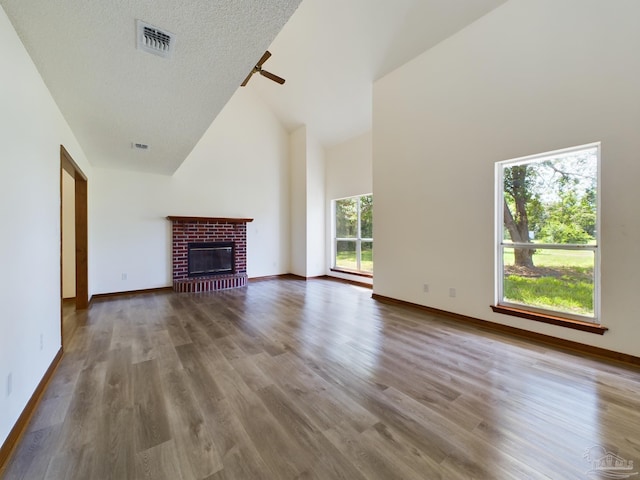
(353, 234)
(547, 233)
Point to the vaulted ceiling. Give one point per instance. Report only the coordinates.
(114, 95)
(331, 52)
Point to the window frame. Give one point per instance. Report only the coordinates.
(534, 312)
(358, 239)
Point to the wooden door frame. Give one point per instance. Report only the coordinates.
(67, 164)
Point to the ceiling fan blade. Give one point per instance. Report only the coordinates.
(271, 76)
(246, 80)
(264, 58)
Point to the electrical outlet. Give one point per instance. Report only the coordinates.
(124, 276)
(41, 341)
(452, 292)
(9, 384)
(425, 288)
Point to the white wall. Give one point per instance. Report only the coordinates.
(531, 76)
(316, 258)
(307, 204)
(132, 237)
(349, 168)
(238, 169)
(31, 132)
(68, 236)
(348, 173)
(298, 207)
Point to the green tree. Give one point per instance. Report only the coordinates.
(347, 218)
(587, 217)
(571, 219)
(366, 216)
(554, 198)
(519, 196)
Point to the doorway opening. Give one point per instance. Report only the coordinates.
(73, 223)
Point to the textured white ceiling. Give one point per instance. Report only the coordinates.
(113, 94)
(331, 51)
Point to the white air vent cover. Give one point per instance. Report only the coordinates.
(153, 40)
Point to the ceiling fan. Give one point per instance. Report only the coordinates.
(264, 73)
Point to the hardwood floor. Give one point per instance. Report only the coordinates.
(287, 379)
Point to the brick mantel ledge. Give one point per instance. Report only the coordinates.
(209, 219)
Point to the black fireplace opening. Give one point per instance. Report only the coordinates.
(211, 258)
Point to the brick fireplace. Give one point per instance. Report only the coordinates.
(210, 231)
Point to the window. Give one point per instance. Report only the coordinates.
(547, 233)
(353, 234)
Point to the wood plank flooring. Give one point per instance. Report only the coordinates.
(287, 379)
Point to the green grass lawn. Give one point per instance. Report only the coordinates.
(347, 260)
(562, 280)
(556, 258)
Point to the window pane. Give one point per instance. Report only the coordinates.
(551, 199)
(366, 216)
(346, 254)
(560, 280)
(366, 257)
(347, 218)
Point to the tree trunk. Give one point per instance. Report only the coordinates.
(519, 233)
(523, 257)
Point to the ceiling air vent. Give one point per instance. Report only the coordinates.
(153, 40)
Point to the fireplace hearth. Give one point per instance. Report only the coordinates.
(209, 253)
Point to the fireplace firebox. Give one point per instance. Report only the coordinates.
(210, 258)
